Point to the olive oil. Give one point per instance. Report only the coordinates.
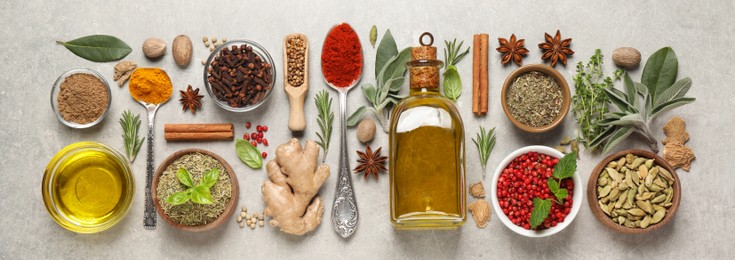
(426, 152)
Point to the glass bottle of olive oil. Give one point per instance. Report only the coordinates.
(427, 167)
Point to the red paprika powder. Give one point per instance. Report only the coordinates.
(341, 56)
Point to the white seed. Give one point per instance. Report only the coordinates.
(211, 48)
(242, 225)
(206, 44)
(205, 39)
(252, 226)
(239, 219)
(203, 63)
(261, 223)
(246, 215)
(243, 214)
(224, 39)
(214, 39)
(248, 222)
(244, 209)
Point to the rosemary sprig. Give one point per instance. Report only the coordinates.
(324, 105)
(451, 53)
(130, 125)
(485, 142)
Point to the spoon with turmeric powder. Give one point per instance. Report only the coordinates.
(151, 87)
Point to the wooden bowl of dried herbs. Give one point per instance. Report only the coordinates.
(634, 191)
(535, 98)
(195, 190)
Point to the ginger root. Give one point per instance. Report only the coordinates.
(290, 194)
(480, 210)
(675, 152)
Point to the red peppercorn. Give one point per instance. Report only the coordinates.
(260, 135)
(260, 140)
(247, 125)
(246, 136)
(265, 142)
(253, 143)
(264, 154)
(259, 128)
(254, 136)
(265, 128)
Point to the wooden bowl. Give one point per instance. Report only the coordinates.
(545, 69)
(229, 208)
(602, 217)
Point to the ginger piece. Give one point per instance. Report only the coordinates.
(679, 155)
(477, 190)
(675, 131)
(290, 194)
(123, 71)
(480, 210)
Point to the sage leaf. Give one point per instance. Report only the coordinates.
(566, 166)
(179, 198)
(630, 91)
(98, 48)
(201, 195)
(210, 178)
(635, 120)
(397, 67)
(373, 35)
(671, 105)
(356, 116)
(619, 135)
(602, 137)
(452, 83)
(618, 99)
(541, 209)
(677, 90)
(184, 177)
(248, 154)
(386, 50)
(660, 72)
(370, 92)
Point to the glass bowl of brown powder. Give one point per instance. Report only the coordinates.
(80, 98)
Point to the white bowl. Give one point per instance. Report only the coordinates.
(577, 197)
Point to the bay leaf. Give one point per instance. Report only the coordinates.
(99, 48)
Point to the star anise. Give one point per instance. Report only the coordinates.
(370, 162)
(556, 49)
(191, 99)
(512, 50)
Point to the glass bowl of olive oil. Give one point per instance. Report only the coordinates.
(88, 187)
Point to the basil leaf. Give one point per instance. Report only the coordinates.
(660, 72)
(184, 177)
(210, 178)
(386, 50)
(99, 48)
(541, 209)
(179, 198)
(452, 83)
(566, 167)
(248, 154)
(355, 117)
(201, 195)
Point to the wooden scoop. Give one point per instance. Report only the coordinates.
(296, 94)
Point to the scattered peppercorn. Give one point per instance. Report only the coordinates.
(247, 125)
(264, 154)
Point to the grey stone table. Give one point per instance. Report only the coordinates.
(30, 135)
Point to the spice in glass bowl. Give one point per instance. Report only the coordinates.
(535, 99)
(239, 76)
(82, 98)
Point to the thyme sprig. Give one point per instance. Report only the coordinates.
(485, 141)
(324, 105)
(130, 125)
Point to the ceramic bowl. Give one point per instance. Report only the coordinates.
(577, 197)
(57, 88)
(545, 69)
(604, 219)
(229, 208)
(257, 49)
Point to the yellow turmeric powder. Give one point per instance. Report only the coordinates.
(150, 85)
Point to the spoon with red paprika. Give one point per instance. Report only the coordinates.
(342, 69)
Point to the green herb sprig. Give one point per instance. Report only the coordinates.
(248, 154)
(485, 141)
(390, 73)
(324, 105)
(565, 168)
(589, 100)
(452, 81)
(199, 193)
(130, 125)
(99, 48)
(641, 103)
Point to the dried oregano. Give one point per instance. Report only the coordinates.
(534, 99)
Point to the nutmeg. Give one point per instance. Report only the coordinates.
(181, 49)
(366, 130)
(626, 57)
(154, 48)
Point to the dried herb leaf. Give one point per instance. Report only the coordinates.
(99, 48)
(248, 154)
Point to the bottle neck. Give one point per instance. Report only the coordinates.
(424, 91)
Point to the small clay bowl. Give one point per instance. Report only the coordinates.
(229, 208)
(602, 217)
(545, 69)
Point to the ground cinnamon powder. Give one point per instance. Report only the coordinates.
(83, 98)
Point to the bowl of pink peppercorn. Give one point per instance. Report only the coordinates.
(523, 176)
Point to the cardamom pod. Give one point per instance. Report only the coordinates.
(636, 163)
(649, 163)
(614, 193)
(636, 212)
(622, 198)
(602, 182)
(666, 174)
(635, 177)
(629, 158)
(659, 199)
(655, 188)
(629, 224)
(643, 172)
(603, 207)
(657, 207)
(645, 222)
(615, 175)
(629, 179)
(644, 205)
(612, 164)
(631, 196)
(658, 216)
(627, 205)
(604, 192)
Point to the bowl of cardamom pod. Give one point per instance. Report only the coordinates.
(634, 191)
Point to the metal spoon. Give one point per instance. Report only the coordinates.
(149, 218)
(344, 208)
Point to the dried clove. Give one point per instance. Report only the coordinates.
(239, 76)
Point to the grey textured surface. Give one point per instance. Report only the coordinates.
(30, 134)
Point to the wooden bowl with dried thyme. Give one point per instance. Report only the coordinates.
(535, 98)
(634, 191)
(195, 190)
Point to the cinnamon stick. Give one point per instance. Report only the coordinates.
(197, 136)
(184, 128)
(480, 74)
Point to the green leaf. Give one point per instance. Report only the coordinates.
(555, 188)
(210, 178)
(541, 209)
(619, 135)
(201, 195)
(671, 105)
(397, 67)
(248, 154)
(642, 89)
(485, 141)
(370, 92)
(660, 72)
(386, 50)
(356, 116)
(566, 167)
(396, 85)
(602, 136)
(323, 102)
(373, 35)
(130, 126)
(179, 197)
(184, 177)
(678, 90)
(630, 90)
(452, 83)
(632, 120)
(619, 100)
(99, 48)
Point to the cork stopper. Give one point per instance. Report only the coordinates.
(424, 67)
